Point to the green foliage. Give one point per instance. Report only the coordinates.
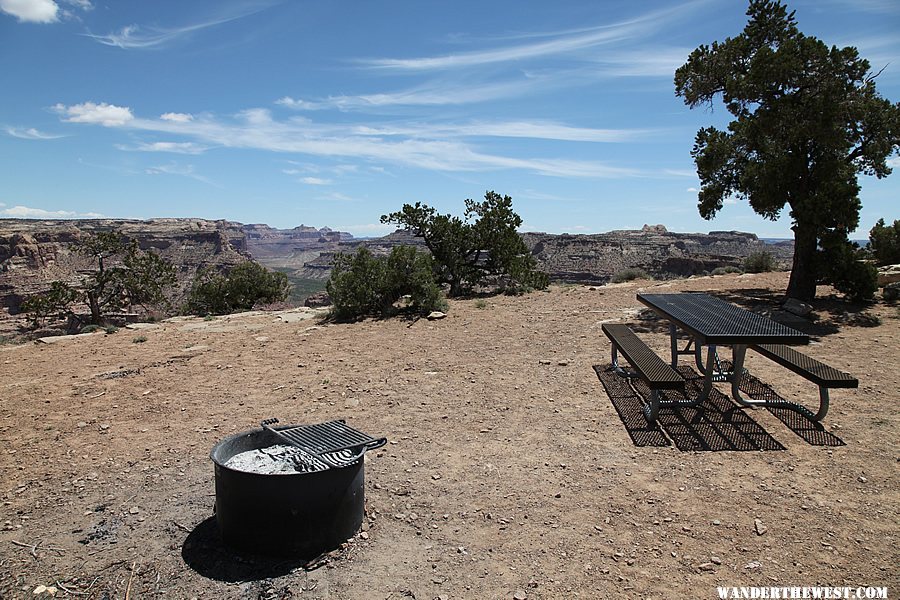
(884, 242)
(139, 339)
(466, 250)
(807, 121)
(365, 285)
(725, 270)
(481, 303)
(110, 329)
(124, 276)
(246, 285)
(90, 328)
(55, 302)
(629, 274)
(841, 265)
(759, 262)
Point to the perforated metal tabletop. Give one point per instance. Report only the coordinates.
(712, 321)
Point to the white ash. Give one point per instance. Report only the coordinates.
(275, 459)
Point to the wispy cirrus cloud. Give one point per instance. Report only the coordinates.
(28, 212)
(137, 37)
(173, 147)
(549, 44)
(256, 129)
(179, 170)
(31, 134)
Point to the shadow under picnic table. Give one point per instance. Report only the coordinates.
(716, 424)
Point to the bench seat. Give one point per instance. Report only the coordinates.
(818, 372)
(646, 363)
(805, 366)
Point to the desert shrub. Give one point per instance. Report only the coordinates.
(90, 328)
(884, 242)
(759, 262)
(725, 270)
(629, 274)
(480, 303)
(54, 302)
(245, 286)
(365, 285)
(139, 339)
(841, 265)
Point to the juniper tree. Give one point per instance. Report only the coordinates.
(807, 121)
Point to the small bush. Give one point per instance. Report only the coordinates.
(139, 339)
(245, 285)
(364, 285)
(841, 266)
(629, 274)
(759, 262)
(480, 303)
(884, 242)
(725, 270)
(110, 329)
(90, 328)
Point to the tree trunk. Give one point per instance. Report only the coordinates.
(802, 284)
(94, 303)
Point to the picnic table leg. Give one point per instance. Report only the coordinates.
(673, 338)
(739, 352)
(707, 372)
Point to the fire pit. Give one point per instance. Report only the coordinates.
(299, 498)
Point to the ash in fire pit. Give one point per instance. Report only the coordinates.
(275, 459)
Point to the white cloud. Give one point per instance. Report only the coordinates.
(692, 190)
(556, 43)
(136, 37)
(316, 181)
(27, 212)
(177, 117)
(31, 134)
(256, 129)
(108, 115)
(84, 5)
(31, 11)
(174, 147)
(893, 162)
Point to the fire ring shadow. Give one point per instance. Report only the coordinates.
(205, 553)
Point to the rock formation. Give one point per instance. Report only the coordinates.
(34, 253)
(595, 258)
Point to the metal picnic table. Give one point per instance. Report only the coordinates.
(712, 322)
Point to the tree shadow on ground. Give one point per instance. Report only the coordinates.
(716, 424)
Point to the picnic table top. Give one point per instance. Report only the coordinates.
(713, 321)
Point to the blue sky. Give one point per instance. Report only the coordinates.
(334, 113)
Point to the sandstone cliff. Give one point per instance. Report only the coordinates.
(35, 252)
(595, 258)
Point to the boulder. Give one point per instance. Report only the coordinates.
(801, 309)
(318, 299)
(891, 292)
(888, 274)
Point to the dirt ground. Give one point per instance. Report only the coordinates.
(509, 472)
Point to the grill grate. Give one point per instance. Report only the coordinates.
(334, 442)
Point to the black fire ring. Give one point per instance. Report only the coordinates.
(296, 514)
